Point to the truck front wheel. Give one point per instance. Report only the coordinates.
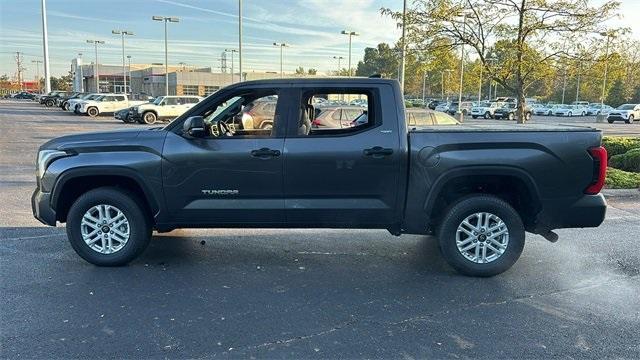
(481, 235)
(149, 118)
(92, 111)
(107, 227)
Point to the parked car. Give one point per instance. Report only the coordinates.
(106, 104)
(163, 108)
(508, 111)
(421, 117)
(443, 107)
(124, 115)
(598, 109)
(335, 117)
(73, 105)
(63, 102)
(545, 110)
(258, 115)
(359, 102)
(477, 188)
(626, 112)
(465, 108)
(24, 95)
(433, 103)
(485, 109)
(569, 110)
(49, 100)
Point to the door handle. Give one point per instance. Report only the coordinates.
(265, 153)
(378, 152)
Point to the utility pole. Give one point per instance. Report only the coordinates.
(20, 68)
(45, 48)
(338, 58)
(81, 73)
(424, 86)
(129, 58)
(564, 83)
(95, 67)
(240, 37)
(351, 34)
(232, 51)
(464, 25)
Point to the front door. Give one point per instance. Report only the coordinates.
(231, 176)
(343, 176)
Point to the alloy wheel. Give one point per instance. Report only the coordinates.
(105, 229)
(482, 237)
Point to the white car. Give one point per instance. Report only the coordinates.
(627, 113)
(485, 109)
(444, 107)
(546, 110)
(106, 103)
(73, 103)
(163, 107)
(597, 109)
(569, 110)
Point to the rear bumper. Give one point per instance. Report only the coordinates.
(41, 208)
(586, 211)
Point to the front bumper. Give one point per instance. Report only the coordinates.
(617, 118)
(41, 207)
(587, 211)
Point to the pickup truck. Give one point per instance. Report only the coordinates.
(477, 188)
(106, 103)
(162, 108)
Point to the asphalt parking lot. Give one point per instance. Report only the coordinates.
(302, 293)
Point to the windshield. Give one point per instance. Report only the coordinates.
(98, 98)
(626, 107)
(158, 100)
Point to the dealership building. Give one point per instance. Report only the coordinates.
(149, 79)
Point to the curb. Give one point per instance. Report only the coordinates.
(621, 193)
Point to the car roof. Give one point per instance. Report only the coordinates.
(318, 80)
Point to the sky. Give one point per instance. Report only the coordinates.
(207, 27)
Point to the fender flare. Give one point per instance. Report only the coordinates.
(71, 174)
(466, 171)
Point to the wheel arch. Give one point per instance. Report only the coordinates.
(73, 183)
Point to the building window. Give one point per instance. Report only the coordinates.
(208, 90)
(190, 90)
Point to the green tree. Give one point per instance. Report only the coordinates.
(616, 96)
(300, 70)
(381, 60)
(312, 71)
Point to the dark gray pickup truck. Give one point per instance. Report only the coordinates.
(478, 189)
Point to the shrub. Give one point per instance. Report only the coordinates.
(629, 161)
(618, 179)
(619, 145)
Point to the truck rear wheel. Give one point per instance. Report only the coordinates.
(487, 115)
(92, 111)
(149, 118)
(481, 235)
(107, 227)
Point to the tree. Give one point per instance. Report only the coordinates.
(300, 70)
(381, 60)
(616, 95)
(312, 71)
(521, 26)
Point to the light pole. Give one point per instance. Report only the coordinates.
(81, 73)
(489, 60)
(424, 86)
(338, 58)
(45, 48)
(464, 25)
(166, 19)
(95, 67)
(232, 51)
(442, 81)
(123, 33)
(609, 35)
(404, 45)
(38, 62)
(129, 59)
(240, 38)
(282, 46)
(351, 34)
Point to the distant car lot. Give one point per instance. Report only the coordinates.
(270, 293)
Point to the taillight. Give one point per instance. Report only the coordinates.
(599, 155)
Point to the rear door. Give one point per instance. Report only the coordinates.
(342, 176)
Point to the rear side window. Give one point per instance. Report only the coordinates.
(119, 98)
(326, 113)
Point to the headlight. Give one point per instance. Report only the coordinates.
(46, 157)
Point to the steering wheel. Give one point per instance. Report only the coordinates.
(225, 129)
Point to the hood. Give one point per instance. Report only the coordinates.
(93, 139)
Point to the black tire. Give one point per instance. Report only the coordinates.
(610, 121)
(527, 116)
(570, 114)
(629, 120)
(48, 103)
(65, 106)
(487, 115)
(474, 116)
(93, 111)
(149, 118)
(510, 116)
(139, 232)
(466, 207)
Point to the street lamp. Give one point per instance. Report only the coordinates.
(232, 51)
(609, 35)
(489, 60)
(351, 34)
(45, 48)
(81, 73)
(129, 59)
(240, 38)
(166, 19)
(123, 33)
(442, 81)
(464, 26)
(95, 68)
(338, 58)
(38, 62)
(424, 86)
(282, 46)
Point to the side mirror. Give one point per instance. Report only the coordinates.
(194, 126)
